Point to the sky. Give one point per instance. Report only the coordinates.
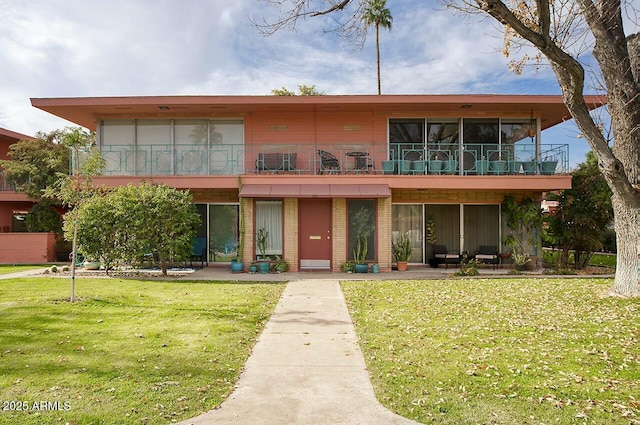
(76, 48)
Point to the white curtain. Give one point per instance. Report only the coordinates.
(269, 217)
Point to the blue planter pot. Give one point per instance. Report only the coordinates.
(375, 268)
(361, 268)
(264, 266)
(237, 266)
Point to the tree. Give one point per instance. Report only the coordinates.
(377, 14)
(36, 164)
(554, 29)
(583, 215)
(75, 188)
(302, 91)
(133, 221)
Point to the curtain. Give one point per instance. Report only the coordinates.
(269, 217)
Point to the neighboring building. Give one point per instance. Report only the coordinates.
(13, 205)
(16, 244)
(307, 168)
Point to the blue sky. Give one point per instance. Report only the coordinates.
(73, 48)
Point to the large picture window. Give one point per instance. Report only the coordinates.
(407, 220)
(224, 234)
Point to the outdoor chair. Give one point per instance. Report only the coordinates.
(488, 254)
(444, 256)
(328, 161)
(199, 252)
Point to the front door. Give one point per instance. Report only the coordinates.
(315, 233)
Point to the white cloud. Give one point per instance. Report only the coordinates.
(70, 48)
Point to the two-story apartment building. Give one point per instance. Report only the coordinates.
(307, 168)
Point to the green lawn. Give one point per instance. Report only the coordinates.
(128, 352)
(5, 269)
(503, 351)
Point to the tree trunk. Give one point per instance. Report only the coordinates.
(620, 165)
(378, 56)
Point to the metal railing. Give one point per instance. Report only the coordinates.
(335, 158)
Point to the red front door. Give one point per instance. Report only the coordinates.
(315, 233)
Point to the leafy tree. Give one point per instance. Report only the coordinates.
(130, 222)
(377, 14)
(36, 164)
(561, 31)
(44, 217)
(583, 216)
(302, 91)
(75, 188)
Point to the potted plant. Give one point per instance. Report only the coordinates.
(237, 265)
(347, 266)
(264, 265)
(497, 163)
(529, 166)
(360, 255)
(253, 268)
(280, 264)
(436, 162)
(430, 236)
(548, 164)
(402, 250)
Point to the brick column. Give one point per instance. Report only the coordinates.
(383, 229)
(291, 237)
(339, 233)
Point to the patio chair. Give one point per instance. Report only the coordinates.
(328, 161)
(199, 252)
(488, 254)
(445, 256)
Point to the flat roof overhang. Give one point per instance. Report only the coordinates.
(86, 111)
(290, 190)
(298, 183)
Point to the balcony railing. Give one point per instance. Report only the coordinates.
(335, 158)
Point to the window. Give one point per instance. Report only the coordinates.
(405, 135)
(269, 218)
(117, 146)
(407, 220)
(154, 144)
(224, 232)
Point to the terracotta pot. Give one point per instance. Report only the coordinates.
(402, 266)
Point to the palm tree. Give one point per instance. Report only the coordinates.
(376, 13)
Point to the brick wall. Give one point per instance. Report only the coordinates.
(339, 233)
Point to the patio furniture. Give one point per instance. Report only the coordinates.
(445, 256)
(199, 252)
(328, 162)
(488, 254)
(361, 162)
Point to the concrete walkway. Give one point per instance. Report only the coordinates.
(306, 367)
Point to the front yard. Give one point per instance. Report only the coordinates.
(128, 351)
(503, 351)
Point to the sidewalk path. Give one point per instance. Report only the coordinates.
(306, 368)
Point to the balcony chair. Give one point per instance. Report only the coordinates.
(328, 161)
(488, 254)
(444, 256)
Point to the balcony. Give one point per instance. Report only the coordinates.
(335, 159)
